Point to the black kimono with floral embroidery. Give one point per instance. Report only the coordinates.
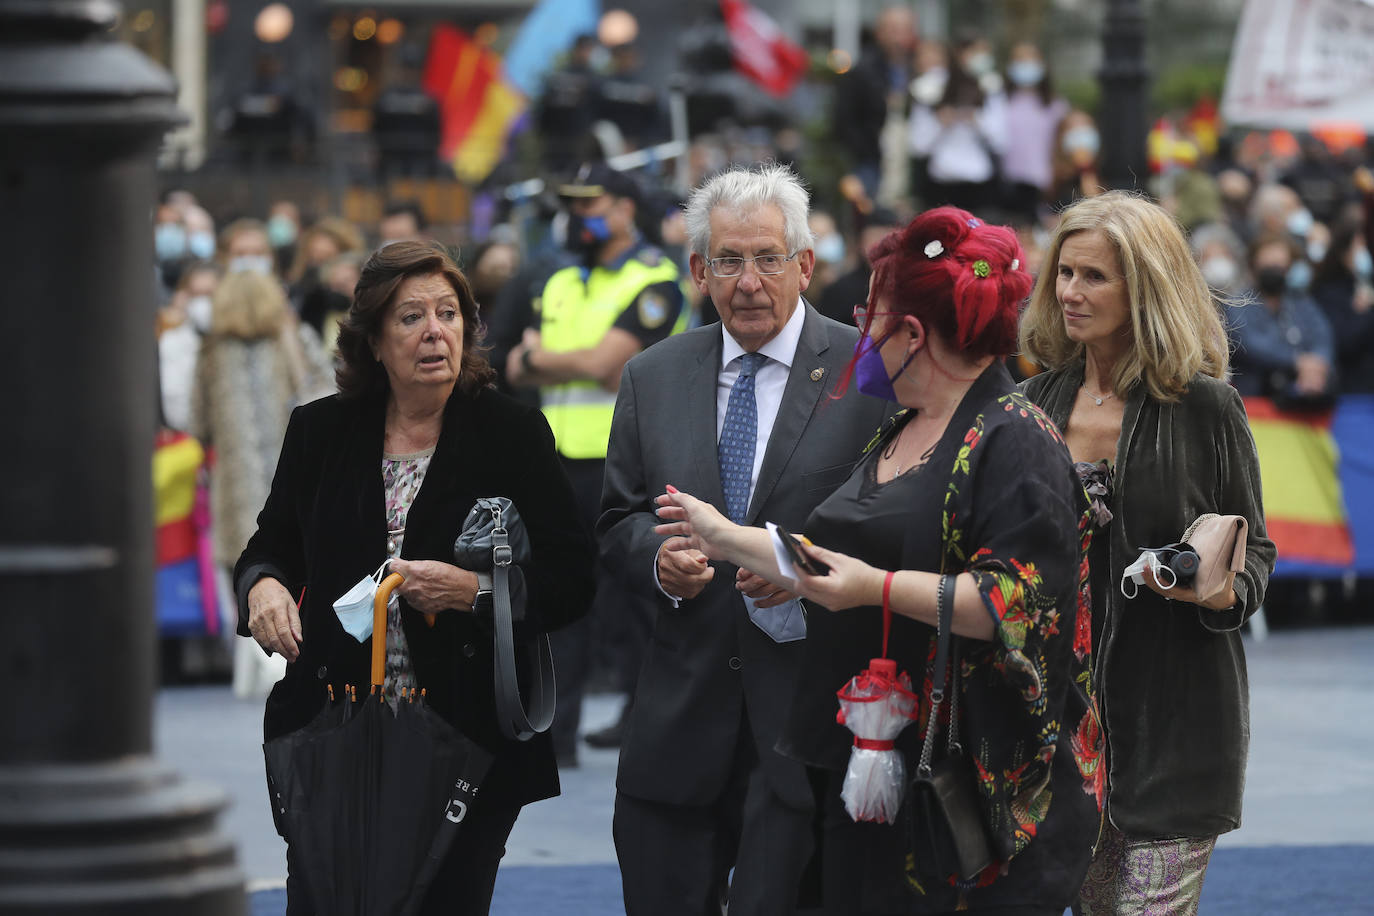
(998, 498)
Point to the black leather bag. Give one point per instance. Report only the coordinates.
(493, 540)
(944, 820)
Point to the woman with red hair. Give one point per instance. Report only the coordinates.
(969, 492)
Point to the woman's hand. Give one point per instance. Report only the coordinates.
(698, 522)
(432, 586)
(850, 582)
(1221, 601)
(273, 618)
(763, 592)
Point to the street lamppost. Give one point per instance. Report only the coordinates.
(1124, 76)
(89, 822)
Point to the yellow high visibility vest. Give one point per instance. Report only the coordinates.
(574, 314)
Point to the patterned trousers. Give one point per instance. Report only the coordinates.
(1130, 877)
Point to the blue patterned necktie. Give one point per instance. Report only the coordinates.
(735, 451)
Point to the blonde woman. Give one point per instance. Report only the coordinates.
(256, 363)
(1137, 358)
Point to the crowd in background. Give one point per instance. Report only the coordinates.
(249, 304)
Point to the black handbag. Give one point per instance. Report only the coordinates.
(944, 820)
(493, 540)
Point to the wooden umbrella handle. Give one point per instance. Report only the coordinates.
(379, 626)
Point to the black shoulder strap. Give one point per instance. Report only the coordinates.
(510, 711)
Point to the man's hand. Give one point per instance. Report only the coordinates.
(516, 373)
(1313, 371)
(683, 571)
(273, 618)
(764, 593)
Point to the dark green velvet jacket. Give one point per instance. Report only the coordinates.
(1170, 675)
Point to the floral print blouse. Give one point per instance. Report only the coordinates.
(402, 476)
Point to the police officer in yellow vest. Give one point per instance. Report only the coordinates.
(621, 296)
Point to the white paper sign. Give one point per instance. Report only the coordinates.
(1298, 63)
(780, 553)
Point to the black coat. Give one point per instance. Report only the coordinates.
(324, 528)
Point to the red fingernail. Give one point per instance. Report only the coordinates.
(672, 489)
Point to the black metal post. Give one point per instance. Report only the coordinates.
(1123, 121)
(89, 822)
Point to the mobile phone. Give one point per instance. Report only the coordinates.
(791, 543)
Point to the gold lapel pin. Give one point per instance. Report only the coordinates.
(817, 374)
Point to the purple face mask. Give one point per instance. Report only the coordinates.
(870, 374)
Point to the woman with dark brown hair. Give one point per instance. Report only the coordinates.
(388, 469)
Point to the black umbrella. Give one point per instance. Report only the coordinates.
(370, 801)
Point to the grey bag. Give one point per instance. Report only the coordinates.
(493, 540)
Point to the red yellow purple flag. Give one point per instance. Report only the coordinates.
(478, 106)
(1304, 508)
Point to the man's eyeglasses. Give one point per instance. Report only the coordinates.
(764, 264)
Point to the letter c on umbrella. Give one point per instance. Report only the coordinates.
(457, 810)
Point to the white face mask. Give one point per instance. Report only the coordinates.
(980, 63)
(202, 244)
(251, 263)
(1300, 222)
(1220, 272)
(830, 248)
(354, 609)
(1135, 573)
(198, 311)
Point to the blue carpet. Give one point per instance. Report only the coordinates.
(1259, 881)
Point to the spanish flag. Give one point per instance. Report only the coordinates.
(187, 603)
(1304, 507)
(478, 106)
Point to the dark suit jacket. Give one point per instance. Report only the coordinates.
(707, 660)
(324, 527)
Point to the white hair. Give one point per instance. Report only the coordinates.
(745, 188)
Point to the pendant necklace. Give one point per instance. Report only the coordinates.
(1099, 399)
(891, 450)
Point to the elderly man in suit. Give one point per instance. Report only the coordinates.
(737, 413)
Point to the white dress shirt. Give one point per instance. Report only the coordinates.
(769, 383)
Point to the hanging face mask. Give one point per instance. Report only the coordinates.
(354, 609)
(198, 310)
(1300, 222)
(1299, 275)
(587, 234)
(830, 248)
(281, 231)
(251, 263)
(1025, 72)
(870, 373)
(202, 245)
(1362, 263)
(169, 241)
(1220, 272)
(1176, 564)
